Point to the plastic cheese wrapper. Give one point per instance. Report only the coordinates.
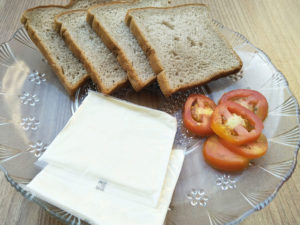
(122, 147)
(78, 196)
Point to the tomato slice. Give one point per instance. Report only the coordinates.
(197, 113)
(221, 158)
(252, 100)
(235, 123)
(252, 150)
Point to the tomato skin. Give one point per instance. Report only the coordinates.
(199, 128)
(251, 97)
(221, 158)
(252, 150)
(244, 136)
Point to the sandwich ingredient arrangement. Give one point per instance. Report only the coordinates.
(138, 42)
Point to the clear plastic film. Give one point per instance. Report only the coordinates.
(123, 147)
(77, 195)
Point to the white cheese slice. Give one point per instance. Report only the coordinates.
(126, 145)
(76, 195)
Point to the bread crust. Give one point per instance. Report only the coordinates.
(155, 62)
(81, 55)
(133, 77)
(71, 89)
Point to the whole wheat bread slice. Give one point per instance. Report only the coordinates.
(183, 46)
(99, 61)
(108, 22)
(39, 23)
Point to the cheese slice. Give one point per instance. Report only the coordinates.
(76, 195)
(118, 143)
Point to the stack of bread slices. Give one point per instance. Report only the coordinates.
(139, 42)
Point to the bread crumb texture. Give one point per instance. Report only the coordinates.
(187, 45)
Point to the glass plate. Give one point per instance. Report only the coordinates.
(35, 107)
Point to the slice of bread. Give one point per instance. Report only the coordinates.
(183, 46)
(39, 23)
(108, 22)
(99, 61)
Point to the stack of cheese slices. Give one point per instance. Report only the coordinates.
(138, 41)
(123, 176)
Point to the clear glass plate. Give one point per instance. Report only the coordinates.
(35, 107)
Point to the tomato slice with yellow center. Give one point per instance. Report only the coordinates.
(197, 113)
(252, 150)
(221, 158)
(252, 100)
(235, 123)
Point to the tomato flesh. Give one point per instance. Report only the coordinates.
(252, 100)
(235, 123)
(252, 150)
(221, 158)
(197, 113)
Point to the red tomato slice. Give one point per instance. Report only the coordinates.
(235, 123)
(197, 113)
(252, 150)
(221, 158)
(252, 100)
